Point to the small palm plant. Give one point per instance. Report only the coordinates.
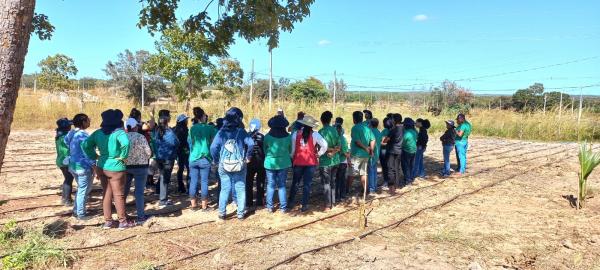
(588, 160)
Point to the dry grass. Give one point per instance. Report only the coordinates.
(40, 110)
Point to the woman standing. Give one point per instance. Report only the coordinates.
(277, 147)
(165, 150)
(137, 166)
(409, 149)
(256, 168)
(80, 166)
(200, 137)
(183, 152)
(63, 126)
(113, 144)
(307, 147)
(231, 150)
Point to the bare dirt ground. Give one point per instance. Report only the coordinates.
(512, 212)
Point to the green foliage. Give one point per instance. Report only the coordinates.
(250, 20)
(127, 71)
(588, 160)
(310, 90)
(184, 59)
(529, 99)
(56, 72)
(230, 77)
(42, 27)
(553, 99)
(450, 94)
(28, 249)
(341, 88)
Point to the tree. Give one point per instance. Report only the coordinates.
(127, 71)
(529, 98)
(310, 89)
(17, 24)
(340, 89)
(56, 71)
(553, 99)
(250, 20)
(230, 77)
(450, 94)
(184, 59)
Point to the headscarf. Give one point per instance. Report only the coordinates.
(111, 120)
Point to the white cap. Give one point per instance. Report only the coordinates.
(182, 117)
(131, 122)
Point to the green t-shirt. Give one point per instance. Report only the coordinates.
(385, 132)
(344, 149)
(200, 137)
(332, 137)
(466, 128)
(409, 141)
(378, 138)
(277, 152)
(111, 147)
(360, 133)
(62, 150)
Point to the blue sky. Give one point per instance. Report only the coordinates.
(489, 46)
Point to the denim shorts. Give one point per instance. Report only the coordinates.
(359, 166)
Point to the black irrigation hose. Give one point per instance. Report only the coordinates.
(31, 208)
(399, 222)
(348, 210)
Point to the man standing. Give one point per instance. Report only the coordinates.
(329, 163)
(362, 147)
(461, 144)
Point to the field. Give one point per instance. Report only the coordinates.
(513, 211)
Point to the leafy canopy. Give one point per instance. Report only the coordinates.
(184, 59)
(230, 77)
(127, 71)
(56, 71)
(311, 89)
(250, 20)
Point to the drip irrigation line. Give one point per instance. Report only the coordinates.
(353, 208)
(397, 223)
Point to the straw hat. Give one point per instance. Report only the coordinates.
(309, 121)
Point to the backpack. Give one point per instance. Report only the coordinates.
(231, 155)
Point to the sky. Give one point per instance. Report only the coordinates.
(491, 47)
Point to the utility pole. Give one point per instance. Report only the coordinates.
(572, 105)
(545, 99)
(334, 89)
(35, 85)
(252, 82)
(143, 92)
(270, 80)
(580, 105)
(560, 106)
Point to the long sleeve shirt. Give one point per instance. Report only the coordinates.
(113, 148)
(165, 147)
(78, 160)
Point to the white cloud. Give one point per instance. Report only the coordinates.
(420, 18)
(324, 42)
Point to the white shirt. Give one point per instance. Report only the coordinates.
(317, 140)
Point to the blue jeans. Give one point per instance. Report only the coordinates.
(306, 173)
(407, 162)
(232, 181)
(139, 175)
(461, 154)
(84, 180)
(199, 171)
(166, 169)
(447, 149)
(276, 180)
(419, 170)
(372, 174)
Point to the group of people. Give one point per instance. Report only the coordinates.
(132, 151)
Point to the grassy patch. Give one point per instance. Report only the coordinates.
(455, 237)
(143, 265)
(26, 249)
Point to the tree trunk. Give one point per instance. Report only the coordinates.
(15, 29)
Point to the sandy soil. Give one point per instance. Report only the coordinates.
(512, 211)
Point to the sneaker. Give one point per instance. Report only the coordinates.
(126, 225)
(222, 217)
(109, 225)
(385, 187)
(162, 205)
(141, 220)
(241, 217)
(67, 203)
(83, 218)
(270, 210)
(304, 209)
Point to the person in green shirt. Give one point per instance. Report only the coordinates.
(409, 149)
(200, 137)
(62, 159)
(372, 171)
(362, 146)
(277, 146)
(329, 163)
(462, 142)
(113, 144)
(341, 182)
